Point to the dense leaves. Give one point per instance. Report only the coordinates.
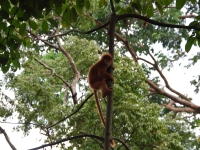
(40, 95)
(54, 42)
(17, 17)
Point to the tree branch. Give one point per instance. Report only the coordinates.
(67, 139)
(81, 105)
(120, 17)
(75, 70)
(165, 80)
(54, 73)
(7, 138)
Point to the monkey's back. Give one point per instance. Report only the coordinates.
(93, 75)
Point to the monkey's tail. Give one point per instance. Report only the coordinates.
(101, 115)
(99, 108)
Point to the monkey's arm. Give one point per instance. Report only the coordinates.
(106, 76)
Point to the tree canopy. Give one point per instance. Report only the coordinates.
(52, 43)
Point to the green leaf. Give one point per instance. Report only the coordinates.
(87, 4)
(144, 9)
(5, 5)
(16, 63)
(117, 1)
(78, 10)
(13, 10)
(27, 42)
(11, 29)
(4, 14)
(189, 43)
(66, 18)
(14, 2)
(193, 23)
(33, 25)
(180, 3)
(53, 22)
(22, 29)
(20, 13)
(58, 10)
(16, 23)
(73, 17)
(136, 6)
(45, 27)
(102, 3)
(12, 54)
(27, 15)
(167, 2)
(4, 58)
(43, 4)
(150, 11)
(80, 3)
(2, 47)
(5, 68)
(159, 7)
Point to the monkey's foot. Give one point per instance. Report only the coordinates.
(105, 94)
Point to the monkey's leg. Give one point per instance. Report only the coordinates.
(104, 89)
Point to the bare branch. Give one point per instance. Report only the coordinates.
(187, 16)
(54, 73)
(165, 80)
(112, 7)
(178, 109)
(81, 32)
(174, 98)
(75, 70)
(67, 139)
(7, 138)
(145, 61)
(120, 17)
(81, 105)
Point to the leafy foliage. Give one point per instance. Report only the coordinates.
(51, 41)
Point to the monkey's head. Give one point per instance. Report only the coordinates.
(107, 59)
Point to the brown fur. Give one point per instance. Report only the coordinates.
(97, 80)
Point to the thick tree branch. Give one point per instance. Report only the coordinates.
(75, 70)
(165, 80)
(120, 17)
(174, 98)
(7, 138)
(176, 109)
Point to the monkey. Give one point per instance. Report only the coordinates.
(97, 77)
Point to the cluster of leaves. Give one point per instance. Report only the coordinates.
(18, 18)
(39, 98)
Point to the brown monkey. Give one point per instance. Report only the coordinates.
(97, 80)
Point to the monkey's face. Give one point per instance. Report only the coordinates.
(107, 62)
